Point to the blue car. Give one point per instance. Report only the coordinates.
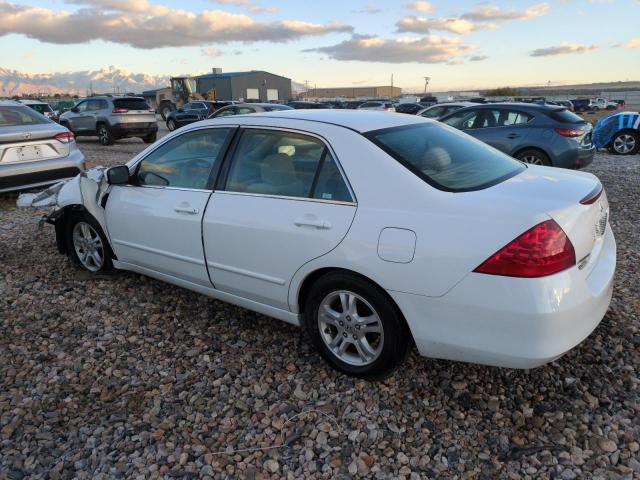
(620, 133)
(536, 134)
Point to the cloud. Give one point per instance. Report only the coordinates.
(478, 58)
(419, 6)
(562, 49)
(492, 13)
(634, 42)
(369, 8)
(480, 18)
(453, 25)
(211, 52)
(369, 48)
(249, 5)
(150, 26)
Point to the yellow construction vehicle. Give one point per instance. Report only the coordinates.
(182, 90)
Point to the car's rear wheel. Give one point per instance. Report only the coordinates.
(171, 124)
(355, 326)
(150, 138)
(534, 157)
(165, 110)
(625, 143)
(86, 244)
(104, 135)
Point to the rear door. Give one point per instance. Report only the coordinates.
(282, 202)
(504, 129)
(156, 221)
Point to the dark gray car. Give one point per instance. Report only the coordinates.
(111, 118)
(537, 134)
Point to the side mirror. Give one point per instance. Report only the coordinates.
(118, 175)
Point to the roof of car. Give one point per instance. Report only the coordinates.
(28, 101)
(10, 103)
(452, 104)
(359, 120)
(520, 105)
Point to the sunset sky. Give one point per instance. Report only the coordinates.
(463, 44)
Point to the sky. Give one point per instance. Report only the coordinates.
(459, 44)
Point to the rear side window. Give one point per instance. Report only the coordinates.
(272, 162)
(447, 159)
(13, 116)
(565, 116)
(504, 118)
(131, 103)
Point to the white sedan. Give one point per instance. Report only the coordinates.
(372, 231)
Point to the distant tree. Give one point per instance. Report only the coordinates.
(503, 92)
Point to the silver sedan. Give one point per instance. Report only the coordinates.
(34, 151)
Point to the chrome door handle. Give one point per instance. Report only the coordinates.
(304, 222)
(189, 210)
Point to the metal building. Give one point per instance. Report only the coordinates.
(254, 85)
(354, 92)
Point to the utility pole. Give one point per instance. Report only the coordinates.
(426, 83)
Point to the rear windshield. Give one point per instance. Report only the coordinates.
(446, 158)
(12, 116)
(41, 107)
(131, 103)
(565, 116)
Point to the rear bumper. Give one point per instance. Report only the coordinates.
(512, 322)
(572, 156)
(133, 129)
(27, 175)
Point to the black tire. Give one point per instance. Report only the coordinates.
(150, 138)
(395, 337)
(76, 219)
(165, 110)
(533, 156)
(171, 124)
(616, 145)
(105, 137)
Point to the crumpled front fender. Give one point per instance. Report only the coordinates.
(87, 190)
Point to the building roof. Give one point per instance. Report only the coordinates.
(235, 74)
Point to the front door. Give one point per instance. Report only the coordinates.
(503, 129)
(282, 202)
(155, 222)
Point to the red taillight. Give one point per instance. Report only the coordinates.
(65, 137)
(570, 132)
(543, 250)
(593, 195)
(120, 110)
(152, 110)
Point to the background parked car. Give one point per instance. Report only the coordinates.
(562, 103)
(34, 150)
(620, 133)
(112, 118)
(537, 134)
(41, 107)
(193, 112)
(385, 106)
(410, 108)
(440, 110)
(301, 105)
(604, 104)
(246, 108)
(582, 104)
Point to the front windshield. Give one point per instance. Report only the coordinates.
(445, 158)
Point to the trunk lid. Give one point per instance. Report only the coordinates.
(558, 192)
(35, 142)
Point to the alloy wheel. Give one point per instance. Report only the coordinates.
(624, 143)
(350, 328)
(171, 125)
(532, 159)
(88, 246)
(103, 134)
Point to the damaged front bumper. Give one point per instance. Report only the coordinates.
(87, 191)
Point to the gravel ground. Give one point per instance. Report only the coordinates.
(125, 377)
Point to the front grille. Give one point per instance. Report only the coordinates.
(601, 226)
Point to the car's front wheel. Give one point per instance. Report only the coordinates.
(625, 143)
(171, 124)
(355, 326)
(86, 244)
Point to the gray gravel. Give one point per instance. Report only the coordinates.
(125, 377)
